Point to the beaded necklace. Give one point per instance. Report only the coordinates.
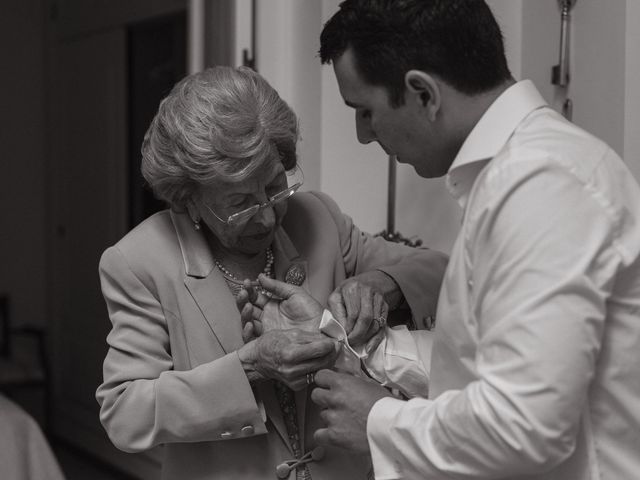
(235, 284)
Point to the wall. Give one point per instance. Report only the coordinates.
(632, 93)
(22, 165)
(354, 175)
(286, 46)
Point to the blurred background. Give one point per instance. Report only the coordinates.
(81, 79)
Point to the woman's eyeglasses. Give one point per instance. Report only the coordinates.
(295, 179)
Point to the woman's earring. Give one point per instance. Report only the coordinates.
(196, 224)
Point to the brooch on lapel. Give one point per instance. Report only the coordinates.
(295, 275)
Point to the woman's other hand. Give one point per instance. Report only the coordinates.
(249, 314)
(290, 307)
(287, 356)
(361, 305)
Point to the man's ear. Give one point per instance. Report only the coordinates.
(425, 90)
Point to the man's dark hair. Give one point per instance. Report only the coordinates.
(457, 40)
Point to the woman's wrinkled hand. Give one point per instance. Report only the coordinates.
(362, 311)
(288, 355)
(289, 307)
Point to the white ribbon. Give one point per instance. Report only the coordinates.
(349, 359)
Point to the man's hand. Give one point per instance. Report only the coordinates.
(287, 356)
(361, 305)
(291, 307)
(346, 402)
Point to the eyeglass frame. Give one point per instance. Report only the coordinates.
(237, 218)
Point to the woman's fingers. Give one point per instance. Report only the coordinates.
(280, 289)
(248, 332)
(288, 355)
(337, 308)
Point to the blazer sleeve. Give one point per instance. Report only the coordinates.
(417, 271)
(145, 402)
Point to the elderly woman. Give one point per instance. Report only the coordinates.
(181, 371)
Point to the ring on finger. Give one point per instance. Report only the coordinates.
(311, 377)
(381, 321)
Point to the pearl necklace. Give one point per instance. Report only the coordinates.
(235, 284)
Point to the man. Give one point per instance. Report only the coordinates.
(534, 369)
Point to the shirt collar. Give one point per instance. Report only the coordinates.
(490, 135)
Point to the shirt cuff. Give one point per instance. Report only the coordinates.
(385, 458)
(402, 361)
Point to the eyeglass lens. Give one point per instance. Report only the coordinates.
(294, 180)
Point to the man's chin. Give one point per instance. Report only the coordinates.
(419, 167)
(386, 150)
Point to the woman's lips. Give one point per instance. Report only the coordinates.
(259, 236)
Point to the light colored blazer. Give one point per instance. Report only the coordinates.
(171, 375)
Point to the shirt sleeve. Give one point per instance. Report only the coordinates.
(401, 360)
(539, 282)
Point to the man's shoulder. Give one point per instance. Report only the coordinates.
(545, 134)
(547, 143)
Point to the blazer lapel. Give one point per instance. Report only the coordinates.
(267, 394)
(286, 255)
(301, 405)
(212, 295)
(207, 286)
(210, 292)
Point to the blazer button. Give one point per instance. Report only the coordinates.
(247, 430)
(226, 435)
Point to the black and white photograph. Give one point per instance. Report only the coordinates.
(320, 240)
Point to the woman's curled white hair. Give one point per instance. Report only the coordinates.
(219, 125)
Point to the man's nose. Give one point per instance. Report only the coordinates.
(364, 131)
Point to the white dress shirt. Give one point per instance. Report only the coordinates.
(400, 362)
(535, 369)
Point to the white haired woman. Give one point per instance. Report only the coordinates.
(181, 371)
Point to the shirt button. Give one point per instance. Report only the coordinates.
(226, 435)
(247, 430)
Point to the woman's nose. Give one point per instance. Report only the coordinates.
(266, 216)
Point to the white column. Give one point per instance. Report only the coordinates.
(632, 93)
(243, 31)
(288, 33)
(195, 36)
